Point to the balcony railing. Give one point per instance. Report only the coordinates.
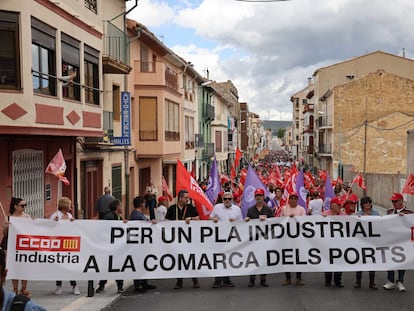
(115, 56)
(308, 129)
(309, 149)
(208, 151)
(325, 121)
(308, 107)
(325, 148)
(210, 112)
(199, 140)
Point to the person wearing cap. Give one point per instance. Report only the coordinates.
(334, 210)
(399, 208)
(259, 211)
(350, 203)
(226, 211)
(367, 210)
(293, 209)
(161, 209)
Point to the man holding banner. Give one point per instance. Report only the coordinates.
(259, 211)
(183, 211)
(226, 211)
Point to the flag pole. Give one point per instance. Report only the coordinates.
(59, 192)
(3, 212)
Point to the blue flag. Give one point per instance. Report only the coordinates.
(213, 187)
(329, 193)
(300, 190)
(252, 183)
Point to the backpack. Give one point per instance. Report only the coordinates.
(19, 303)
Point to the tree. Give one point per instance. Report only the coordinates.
(281, 133)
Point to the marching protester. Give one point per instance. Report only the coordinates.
(64, 206)
(367, 210)
(315, 204)
(115, 213)
(140, 286)
(334, 210)
(17, 209)
(226, 211)
(293, 209)
(397, 200)
(350, 205)
(161, 209)
(102, 204)
(182, 210)
(259, 211)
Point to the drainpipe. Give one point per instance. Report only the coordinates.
(126, 149)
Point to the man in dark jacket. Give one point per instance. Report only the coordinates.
(115, 211)
(141, 286)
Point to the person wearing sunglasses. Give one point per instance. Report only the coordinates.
(17, 209)
(259, 211)
(183, 210)
(399, 208)
(226, 211)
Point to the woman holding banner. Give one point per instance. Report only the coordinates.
(17, 209)
(367, 210)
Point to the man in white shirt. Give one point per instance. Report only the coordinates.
(226, 211)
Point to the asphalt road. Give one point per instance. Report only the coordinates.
(312, 296)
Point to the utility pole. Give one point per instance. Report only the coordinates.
(365, 141)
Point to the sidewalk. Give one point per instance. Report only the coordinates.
(43, 294)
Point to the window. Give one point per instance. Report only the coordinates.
(148, 118)
(218, 142)
(43, 58)
(92, 5)
(9, 51)
(171, 78)
(172, 129)
(147, 63)
(70, 67)
(189, 132)
(91, 60)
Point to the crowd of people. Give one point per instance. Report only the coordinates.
(271, 201)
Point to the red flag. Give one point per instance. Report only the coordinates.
(186, 182)
(57, 167)
(237, 158)
(359, 181)
(409, 185)
(166, 189)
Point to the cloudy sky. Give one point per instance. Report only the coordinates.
(270, 49)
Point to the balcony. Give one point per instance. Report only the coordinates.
(115, 56)
(325, 148)
(208, 151)
(199, 140)
(324, 121)
(308, 129)
(309, 149)
(308, 108)
(210, 112)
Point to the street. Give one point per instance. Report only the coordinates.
(312, 296)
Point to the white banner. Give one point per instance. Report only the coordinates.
(45, 249)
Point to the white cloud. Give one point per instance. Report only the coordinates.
(152, 14)
(269, 50)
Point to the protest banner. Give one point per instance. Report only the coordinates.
(45, 249)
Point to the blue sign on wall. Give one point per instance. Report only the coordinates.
(125, 139)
